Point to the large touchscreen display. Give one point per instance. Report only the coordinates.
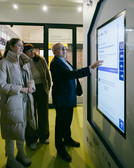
(111, 75)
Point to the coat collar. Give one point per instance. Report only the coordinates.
(63, 63)
(12, 57)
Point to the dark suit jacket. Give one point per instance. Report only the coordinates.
(64, 86)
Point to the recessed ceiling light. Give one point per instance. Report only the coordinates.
(79, 9)
(44, 8)
(15, 6)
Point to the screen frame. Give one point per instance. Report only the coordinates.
(122, 13)
(89, 87)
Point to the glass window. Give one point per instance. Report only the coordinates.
(63, 36)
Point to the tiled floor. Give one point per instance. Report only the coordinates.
(46, 157)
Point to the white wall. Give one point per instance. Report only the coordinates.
(121, 147)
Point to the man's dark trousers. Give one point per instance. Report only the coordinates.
(62, 126)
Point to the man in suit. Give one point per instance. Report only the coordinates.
(64, 90)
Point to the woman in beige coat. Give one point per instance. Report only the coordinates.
(16, 88)
(42, 79)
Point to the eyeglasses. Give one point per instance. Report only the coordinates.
(61, 48)
(31, 50)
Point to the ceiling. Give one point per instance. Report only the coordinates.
(57, 3)
(42, 11)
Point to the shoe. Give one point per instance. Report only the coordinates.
(46, 141)
(23, 159)
(32, 146)
(13, 163)
(64, 155)
(72, 143)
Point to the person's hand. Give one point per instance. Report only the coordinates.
(24, 90)
(30, 90)
(96, 64)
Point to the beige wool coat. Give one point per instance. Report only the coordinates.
(11, 103)
(42, 67)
